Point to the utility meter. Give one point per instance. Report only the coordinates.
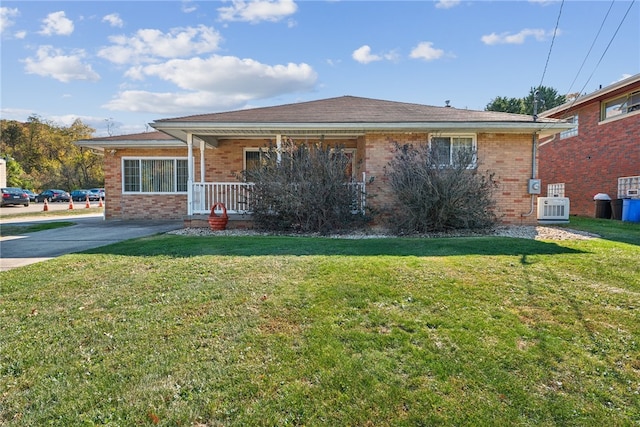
(535, 186)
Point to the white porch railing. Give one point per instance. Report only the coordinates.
(234, 196)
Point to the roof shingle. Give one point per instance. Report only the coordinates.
(351, 109)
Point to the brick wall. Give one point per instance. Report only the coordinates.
(592, 161)
(509, 157)
(138, 206)
(506, 155)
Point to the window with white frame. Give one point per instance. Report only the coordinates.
(448, 148)
(253, 157)
(624, 104)
(573, 131)
(154, 175)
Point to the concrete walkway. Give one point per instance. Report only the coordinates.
(89, 232)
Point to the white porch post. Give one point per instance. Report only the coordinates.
(190, 167)
(202, 161)
(279, 147)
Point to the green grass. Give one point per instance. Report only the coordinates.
(275, 331)
(13, 230)
(608, 229)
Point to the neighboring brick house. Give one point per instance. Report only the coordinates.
(191, 162)
(603, 146)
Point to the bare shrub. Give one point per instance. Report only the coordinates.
(434, 195)
(303, 188)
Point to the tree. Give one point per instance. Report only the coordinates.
(548, 98)
(46, 156)
(16, 176)
(506, 105)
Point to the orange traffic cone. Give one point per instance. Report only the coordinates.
(100, 205)
(70, 204)
(46, 206)
(87, 205)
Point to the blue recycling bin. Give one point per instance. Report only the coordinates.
(631, 210)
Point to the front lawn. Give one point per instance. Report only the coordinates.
(275, 331)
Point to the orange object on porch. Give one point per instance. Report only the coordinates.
(218, 222)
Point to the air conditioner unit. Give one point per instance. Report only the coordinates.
(553, 210)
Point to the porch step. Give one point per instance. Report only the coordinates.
(236, 222)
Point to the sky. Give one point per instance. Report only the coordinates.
(120, 65)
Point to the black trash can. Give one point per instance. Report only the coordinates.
(616, 209)
(603, 205)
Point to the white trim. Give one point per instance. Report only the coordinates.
(569, 133)
(619, 117)
(139, 159)
(474, 144)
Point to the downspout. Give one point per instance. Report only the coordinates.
(534, 153)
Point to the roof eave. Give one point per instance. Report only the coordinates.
(106, 145)
(180, 129)
(573, 104)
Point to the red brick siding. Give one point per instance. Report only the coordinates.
(592, 161)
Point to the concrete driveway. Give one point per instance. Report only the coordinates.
(87, 233)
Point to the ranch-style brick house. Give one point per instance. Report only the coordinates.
(190, 163)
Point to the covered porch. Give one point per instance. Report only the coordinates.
(205, 152)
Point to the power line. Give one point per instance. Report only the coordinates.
(603, 53)
(555, 31)
(591, 48)
(608, 45)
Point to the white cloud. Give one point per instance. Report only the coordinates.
(149, 45)
(5, 18)
(544, 2)
(364, 56)
(20, 35)
(426, 51)
(234, 82)
(234, 75)
(447, 4)
(50, 62)
(169, 103)
(188, 6)
(255, 11)
(517, 38)
(114, 20)
(56, 23)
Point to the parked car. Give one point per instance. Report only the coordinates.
(81, 196)
(31, 194)
(53, 196)
(99, 192)
(14, 196)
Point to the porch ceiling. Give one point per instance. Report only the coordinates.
(210, 136)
